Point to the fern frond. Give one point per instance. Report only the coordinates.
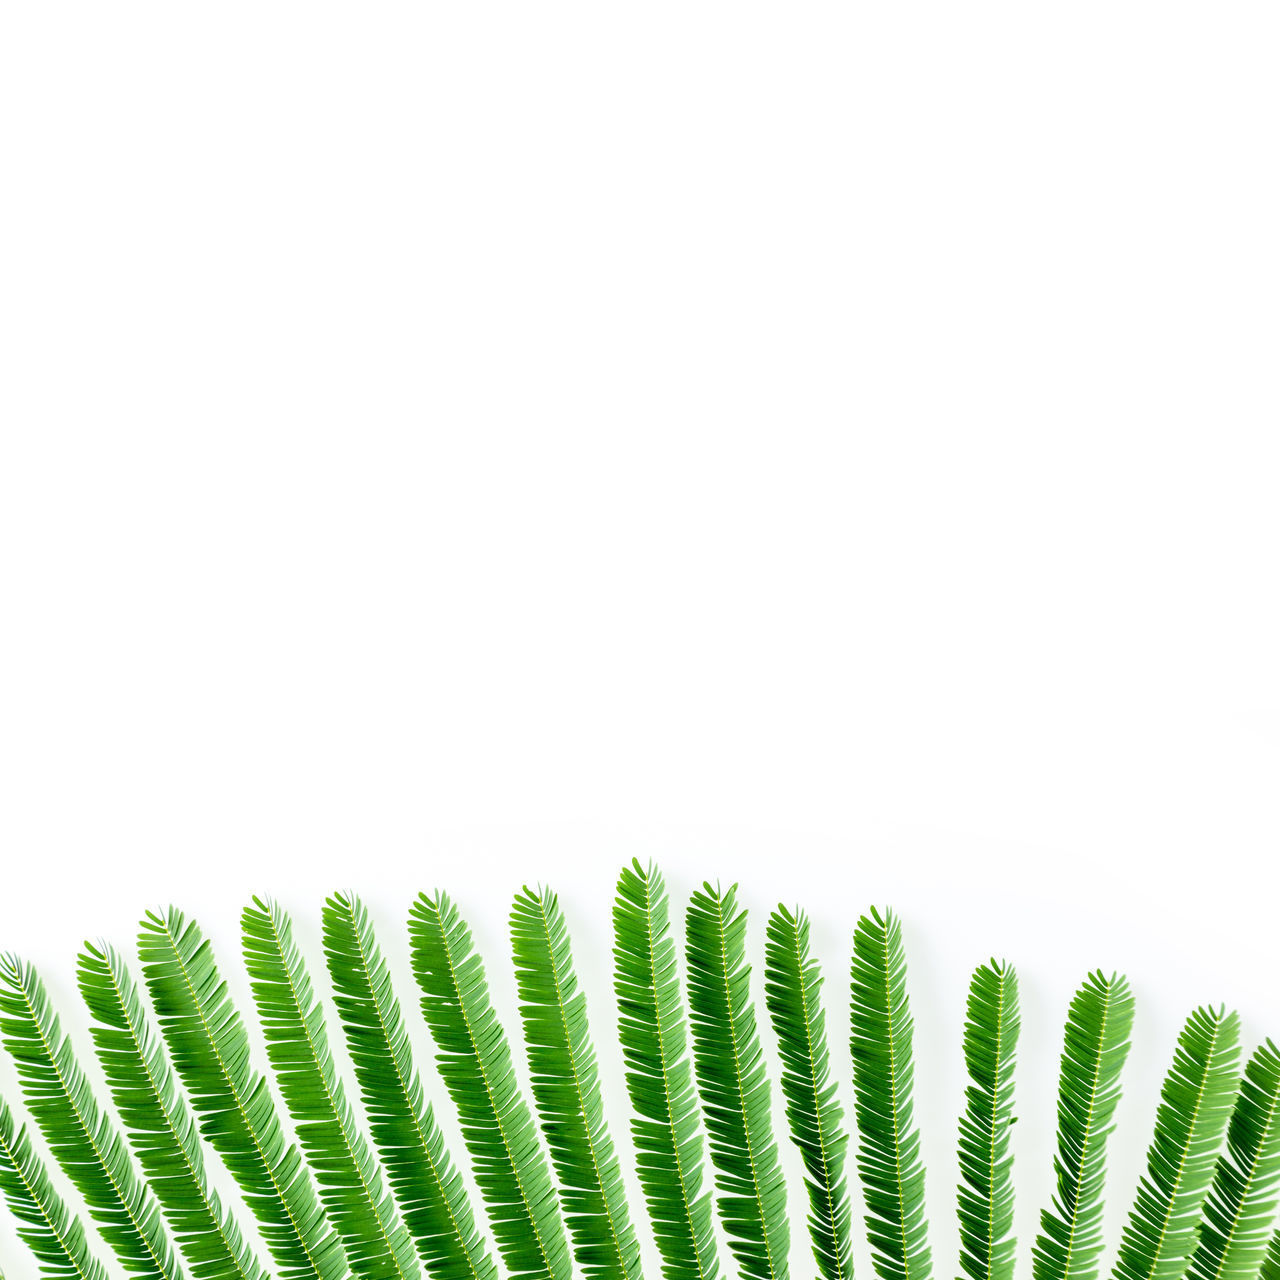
(428, 1188)
(654, 1036)
(1271, 1263)
(734, 1086)
(1095, 1047)
(566, 1089)
(158, 1122)
(81, 1137)
(1195, 1105)
(889, 1163)
(474, 1058)
(238, 1117)
(54, 1234)
(1241, 1204)
(292, 1020)
(985, 1196)
(793, 987)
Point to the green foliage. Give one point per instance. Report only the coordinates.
(365, 1188)
(435, 1205)
(793, 989)
(734, 1086)
(238, 1118)
(1195, 1105)
(81, 1136)
(159, 1123)
(378, 1247)
(985, 1195)
(474, 1060)
(653, 1031)
(889, 1160)
(566, 1088)
(1242, 1202)
(49, 1229)
(1271, 1263)
(1094, 1052)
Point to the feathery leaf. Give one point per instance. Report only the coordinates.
(986, 1194)
(793, 986)
(734, 1086)
(1271, 1263)
(159, 1124)
(566, 1089)
(238, 1117)
(474, 1058)
(428, 1188)
(1241, 1204)
(1194, 1109)
(883, 1079)
(81, 1137)
(292, 1020)
(1096, 1044)
(50, 1230)
(653, 1032)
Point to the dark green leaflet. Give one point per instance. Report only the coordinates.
(158, 1121)
(82, 1138)
(793, 986)
(350, 1181)
(474, 1060)
(1241, 1204)
(1095, 1047)
(1271, 1263)
(652, 1029)
(883, 1082)
(1194, 1109)
(50, 1230)
(238, 1118)
(735, 1087)
(429, 1190)
(566, 1089)
(986, 1163)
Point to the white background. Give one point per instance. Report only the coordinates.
(828, 448)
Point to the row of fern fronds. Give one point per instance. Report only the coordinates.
(339, 1187)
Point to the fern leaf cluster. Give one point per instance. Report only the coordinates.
(734, 1086)
(428, 1188)
(474, 1060)
(653, 1031)
(160, 1124)
(342, 1170)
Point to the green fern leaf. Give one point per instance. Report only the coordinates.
(1194, 1109)
(83, 1140)
(793, 986)
(986, 1163)
(1096, 1044)
(292, 1020)
(475, 1063)
(1271, 1263)
(653, 1032)
(734, 1086)
(238, 1117)
(566, 1089)
(1241, 1204)
(49, 1229)
(158, 1122)
(428, 1188)
(883, 1078)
